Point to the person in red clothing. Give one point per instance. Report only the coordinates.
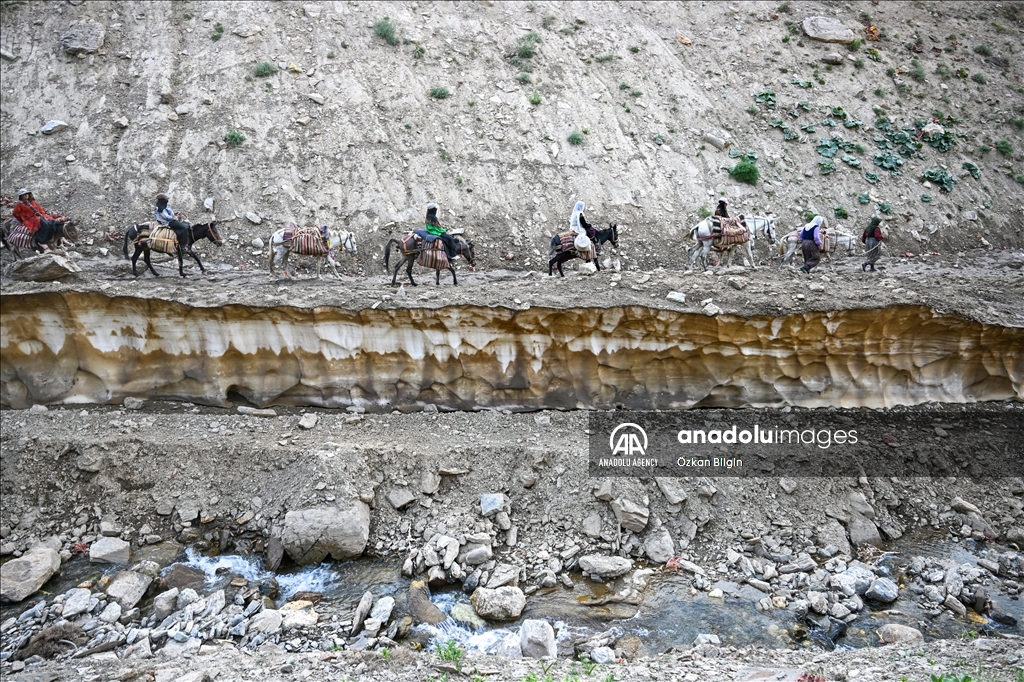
(31, 214)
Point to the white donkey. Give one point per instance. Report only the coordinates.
(280, 249)
(703, 235)
(837, 240)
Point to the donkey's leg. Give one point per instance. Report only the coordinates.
(334, 267)
(195, 256)
(750, 255)
(398, 266)
(135, 259)
(411, 260)
(146, 253)
(455, 280)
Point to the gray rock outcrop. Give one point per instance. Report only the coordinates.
(22, 577)
(503, 603)
(310, 535)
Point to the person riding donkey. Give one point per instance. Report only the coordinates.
(33, 216)
(433, 228)
(720, 220)
(166, 217)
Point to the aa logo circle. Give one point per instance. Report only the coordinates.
(628, 439)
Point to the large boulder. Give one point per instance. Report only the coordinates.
(892, 633)
(537, 639)
(603, 567)
(419, 605)
(828, 30)
(863, 530)
(310, 535)
(110, 551)
(883, 590)
(21, 577)
(85, 38)
(658, 546)
(128, 588)
(45, 267)
(298, 614)
(503, 603)
(630, 515)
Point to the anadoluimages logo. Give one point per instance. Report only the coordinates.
(628, 443)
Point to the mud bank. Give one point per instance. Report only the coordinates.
(75, 347)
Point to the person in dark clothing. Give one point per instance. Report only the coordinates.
(166, 216)
(433, 226)
(810, 242)
(722, 211)
(872, 238)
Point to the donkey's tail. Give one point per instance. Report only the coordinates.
(387, 252)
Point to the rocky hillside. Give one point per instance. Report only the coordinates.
(358, 114)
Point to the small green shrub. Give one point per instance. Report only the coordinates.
(979, 78)
(575, 138)
(188, 16)
(330, 55)
(840, 212)
(601, 59)
(855, 45)
(703, 211)
(885, 208)
(527, 46)
(745, 171)
(943, 70)
(623, 85)
(1004, 147)
(918, 72)
(451, 651)
(634, 49)
(879, 92)
(418, 52)
(385, 30)
(547, 22)
(784, 8)
(983, 50)
(234, 138)
(858, 63)
(636, 93)
(534, 98)
(523, 78)
(752, 109)
(766, 97)
(1018, 123)
(439, 92)
(264, 69)
(218, 31)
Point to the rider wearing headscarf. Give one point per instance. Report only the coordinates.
(30, 214)
(578, 222)
(872, 238)
(722, 211)
(810, 240)
(433, 226)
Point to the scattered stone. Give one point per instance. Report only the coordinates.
(862, 531)
(83, 39)
(310, 535)
(253, 218)
(892, 633)
(677, 296)
(955, 605)
(208, 203)
(246, 30)
(503, 603)
(299, 614)
(658, 546)
(602, 655)
(308, 421)
(401, 497)
(672, 489)
(703, 638)
(630, 515)
(257, 243)
(52, 127)
(133, 403)
(492, 503)
(110, 551)
(537, 639)
(266, 621)
(317, 97)
(46, 267)
(828, 30)
(255, 412)
(382, 609)
(420, 607)
(361, 612)
(164, 603)
(182, 110)
(883, 590)
(128, 588)
(605, 566)
(833, 58)
(76, 601)
(180, 576)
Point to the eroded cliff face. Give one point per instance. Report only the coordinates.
(69, 347)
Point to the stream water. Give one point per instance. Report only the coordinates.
(668, 615)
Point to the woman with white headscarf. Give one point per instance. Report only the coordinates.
(810, 241)
(578, 224)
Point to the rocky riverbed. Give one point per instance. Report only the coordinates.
(479, 504)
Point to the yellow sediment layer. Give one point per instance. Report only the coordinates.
(81, 347)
